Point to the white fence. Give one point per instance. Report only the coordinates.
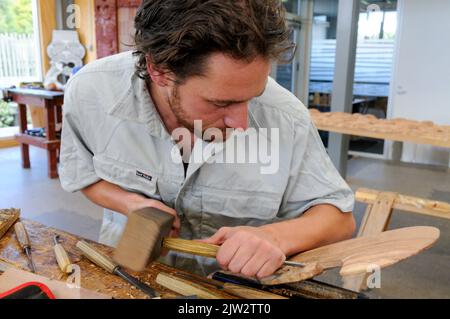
(17, 58)
(373, 61)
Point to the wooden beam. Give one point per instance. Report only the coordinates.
(378, 217)
(401, 130)
(8, 142)
(408, 203)
(86, 32)
(47, 23)
(376, 220)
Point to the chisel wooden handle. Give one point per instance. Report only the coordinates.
(191, 247)
(22, 235)
(241, 291)
(185, 287)
(96, 257)
(62, 258)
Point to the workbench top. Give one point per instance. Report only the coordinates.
(92, 277)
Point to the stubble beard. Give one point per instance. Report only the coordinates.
(181, 117)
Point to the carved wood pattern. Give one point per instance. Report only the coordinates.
(106, 27)
(109, 31)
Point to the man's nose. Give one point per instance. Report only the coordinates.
(237, 116)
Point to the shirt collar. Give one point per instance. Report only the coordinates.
(137, 105)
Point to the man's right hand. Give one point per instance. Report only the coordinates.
(114, 197)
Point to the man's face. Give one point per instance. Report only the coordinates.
(220, 97)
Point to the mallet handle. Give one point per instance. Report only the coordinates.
(191, 247)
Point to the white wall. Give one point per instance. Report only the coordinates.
(420, 87)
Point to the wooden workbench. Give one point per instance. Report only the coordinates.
(97, 280)
(92, 277)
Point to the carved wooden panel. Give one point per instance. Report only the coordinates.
(114, 22)
(106, 27)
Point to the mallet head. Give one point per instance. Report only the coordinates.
(141, 241)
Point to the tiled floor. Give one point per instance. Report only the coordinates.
(424, 276)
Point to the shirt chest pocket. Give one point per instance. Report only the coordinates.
(128, 176)
(241, 205)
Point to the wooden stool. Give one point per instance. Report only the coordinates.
(52, 103)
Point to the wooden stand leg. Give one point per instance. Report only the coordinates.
(23, 126)
(52, 164)
(50, 114)
(25, 153)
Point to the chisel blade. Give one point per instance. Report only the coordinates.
(30, 259)
(136, 282)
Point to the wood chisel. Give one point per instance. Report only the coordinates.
(24, 241)
(237, 290)
(62, 257)
(310, 289)
(107, 264)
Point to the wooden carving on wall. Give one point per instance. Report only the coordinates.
(108, 31)
(106, 27)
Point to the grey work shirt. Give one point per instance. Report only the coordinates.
(112, 131)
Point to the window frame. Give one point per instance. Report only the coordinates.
(37, 42)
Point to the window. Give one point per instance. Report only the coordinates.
(19, 42)
(286, 74)
(20, 59)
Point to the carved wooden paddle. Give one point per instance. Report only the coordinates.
(144, 237)
(354, 256)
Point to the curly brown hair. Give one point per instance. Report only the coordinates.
(178, 35)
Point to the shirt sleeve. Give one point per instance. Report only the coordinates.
(76, 169)
(313, 178)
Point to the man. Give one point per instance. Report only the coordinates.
(207, 61)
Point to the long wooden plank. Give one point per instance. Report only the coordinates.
(38, 141)
(384, 136)
(408, 203)
(401, 130)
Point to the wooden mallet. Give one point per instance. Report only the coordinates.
(145, 236)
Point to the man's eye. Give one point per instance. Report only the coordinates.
(221, 104)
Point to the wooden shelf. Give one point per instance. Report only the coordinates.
(37, 141)
(400, 130)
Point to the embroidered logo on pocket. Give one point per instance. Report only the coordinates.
(143, 175)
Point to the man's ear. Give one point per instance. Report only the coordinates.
(158, 77)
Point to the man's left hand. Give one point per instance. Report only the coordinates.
(250, 251)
